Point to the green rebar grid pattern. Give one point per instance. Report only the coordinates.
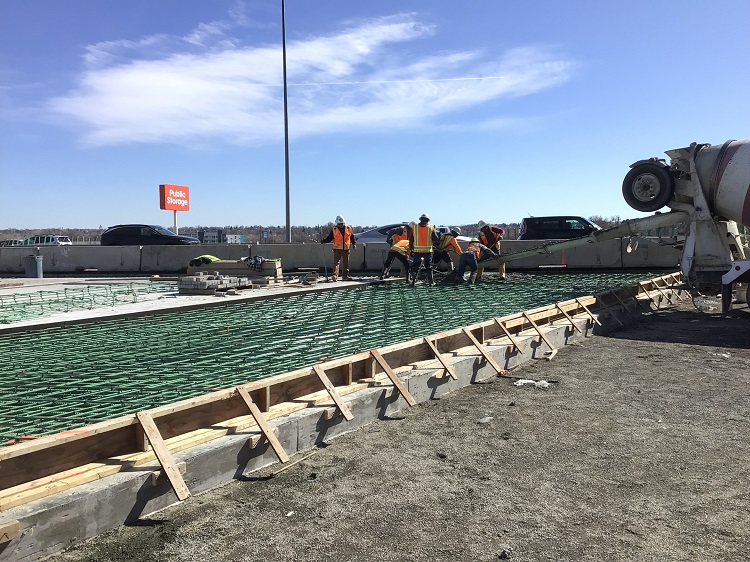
(28, 306)
(64, 377)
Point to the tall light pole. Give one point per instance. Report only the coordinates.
(286, 126)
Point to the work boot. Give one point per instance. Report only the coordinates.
(385, 273)
(472, 277)
(430, 277)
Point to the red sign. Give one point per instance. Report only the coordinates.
(174, 197)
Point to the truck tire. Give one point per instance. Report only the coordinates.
(648, 187)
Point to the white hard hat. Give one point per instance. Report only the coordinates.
(456, 229)
(481, 224)
(340, 220)
(424, 218)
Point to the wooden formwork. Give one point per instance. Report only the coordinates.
(52, 464)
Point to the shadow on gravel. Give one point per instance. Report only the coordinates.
(689, 325)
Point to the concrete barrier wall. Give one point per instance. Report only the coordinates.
(610, 254)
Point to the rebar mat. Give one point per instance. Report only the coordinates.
(17, 307)
(64, 377)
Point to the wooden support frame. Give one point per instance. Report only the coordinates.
(637, 300)
(612, 315)
(335, 396)
(591, 314)
(263, 425)
(541, 335)
(648, 294)
(163, 455)
(448, 368)
(394, 378)
(498, 369)
(508, 335)
(562, 310)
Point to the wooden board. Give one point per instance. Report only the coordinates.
(394, 378)
(263, 425)
(343, 408)
(164, 456)
(448, 368)
(498, 369)
(9, 531)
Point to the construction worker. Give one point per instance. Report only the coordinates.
(490, 236)
(475, 252)
(341, 236)
(447, 244)
(422, 238)
(399, 250)
(398, 238)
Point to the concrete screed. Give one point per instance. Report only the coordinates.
(59, 521)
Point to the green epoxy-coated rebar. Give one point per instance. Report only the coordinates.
(64, 377)
(27, 306)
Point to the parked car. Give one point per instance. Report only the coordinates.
(11, 242)
(143, 235)
(553, 228)
(48, 240)
(380, 234)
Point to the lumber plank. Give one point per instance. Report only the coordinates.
(157, 476)
(394, 378)
(541, 335)
(591, 314)
(508, 335)
(567, 316)
(343, 408)
(263, 425)
(498, 369)
(163, 455)
(448, 368)
(9, 531)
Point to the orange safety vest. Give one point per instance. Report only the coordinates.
(403, 234)
(474, 247)
(342, 242)
(402, 247)
(422, 236)
(447, 242)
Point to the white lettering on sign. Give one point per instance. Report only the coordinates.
(177, 197)
(175, 201)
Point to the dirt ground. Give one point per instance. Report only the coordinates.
(637, 451)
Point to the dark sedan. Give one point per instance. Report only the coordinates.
(144, 235)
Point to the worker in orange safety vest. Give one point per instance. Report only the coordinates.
(422, 239)
(341, 236)
(491, 235)
(448, 243)
(475, 252)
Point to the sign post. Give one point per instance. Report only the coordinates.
(174, 198)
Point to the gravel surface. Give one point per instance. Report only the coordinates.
(638, 450)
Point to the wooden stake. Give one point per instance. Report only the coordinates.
(508, 335)
(498, 369)
(594, 318)
(541, 335)
(637, 300)
(569, 318)
(448, 368)
(611, 314)
(343, 408)
(263, 424)
(648, 296)
(394, 378)
(163, 455)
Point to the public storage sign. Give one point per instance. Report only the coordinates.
(174, 197)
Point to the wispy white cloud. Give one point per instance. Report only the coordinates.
(207, 86)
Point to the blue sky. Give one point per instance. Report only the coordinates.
(480, 109)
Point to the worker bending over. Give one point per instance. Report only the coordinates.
(398, 238)
(448, 243)
(341, 236)
(475, 252)
(422, 238)
(490, 236)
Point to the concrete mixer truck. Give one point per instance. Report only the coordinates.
(711, 186)
(705, 186)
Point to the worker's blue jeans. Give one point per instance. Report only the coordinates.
(468, 259)
(417, 258)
